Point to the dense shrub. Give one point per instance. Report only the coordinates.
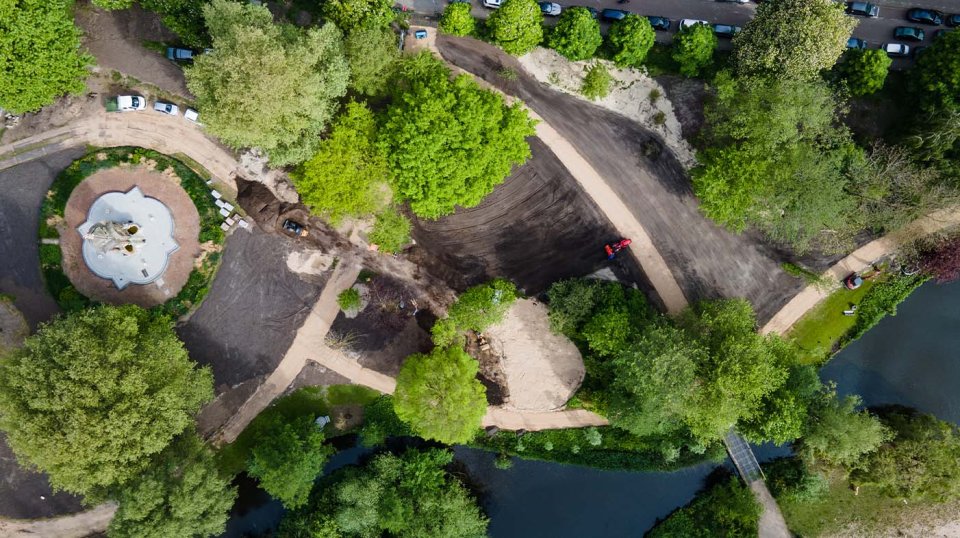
(881, 301)
(475, 310)
(727, 509)
(457, 20)
(391, 230)
(576, 35)
(596, 83)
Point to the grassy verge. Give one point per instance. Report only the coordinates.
(313, 401)
(819, 331)
(52, 212)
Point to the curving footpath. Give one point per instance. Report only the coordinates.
(147, 129)
(857, 261)
(78, 525)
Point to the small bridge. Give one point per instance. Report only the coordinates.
(772, 524)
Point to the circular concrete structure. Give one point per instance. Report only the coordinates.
(131, 236)
(128, 238)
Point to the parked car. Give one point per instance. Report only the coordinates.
(896, 50)
(660, 23)
(908, 33)
(492, 4)
(192, 115)
(613, 14)
(179, 55)
(925, 16)
(952, 20)
(550, 8)
(687, 23)
(126, 103)
(736, 1)
(593, 11)
(293, 227)
(856, 43)
(166, 108)
(726, 30)
(863, 9)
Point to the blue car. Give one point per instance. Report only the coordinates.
(925, 16)
(908, 33)
(613, 14)
(856, 43)
(659, 23)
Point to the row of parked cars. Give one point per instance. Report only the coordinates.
(134, 103)
(930, 17)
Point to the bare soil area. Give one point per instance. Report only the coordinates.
(542, 369)
(163, 186)
(253, 310)
(13, 327)
(115, 38)
(706, 260)
(534, 229)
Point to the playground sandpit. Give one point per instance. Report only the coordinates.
(541, 369)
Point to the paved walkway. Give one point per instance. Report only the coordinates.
(860, 259)
(79, 525)
(147, 129)
(310, 338)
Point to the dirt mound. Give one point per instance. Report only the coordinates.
(542, 369)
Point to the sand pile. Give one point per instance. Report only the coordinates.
(542, 369)
(632, 94)
(309, 262)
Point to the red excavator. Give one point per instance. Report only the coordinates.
(613, 248)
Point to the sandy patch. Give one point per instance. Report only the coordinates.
(309, 262)
(633, 94)
(13, 328)
(542, 369)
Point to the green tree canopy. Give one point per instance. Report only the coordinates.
(348, 176)
(792, 39)
(40, 56)
(457, 20)
(576, 35)
(407, 496)
(287, 456)
(783, 413)
(180, 495)
(449, 142)
(935, 77)
(268, 86)
(475, 310)
(517, 26)
(727, 509)
(777, 160)
(837, 433)
(439, 395)
(183, 17)
(350, 14)
(864, 70)
(113, 4)
(391, 230)
(631, 38)
(372, 54)
(921, 461)
(596, 83)
(693, 48)
(92, 396)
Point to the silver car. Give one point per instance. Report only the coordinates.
(166, 108)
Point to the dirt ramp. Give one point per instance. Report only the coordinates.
(542, 369)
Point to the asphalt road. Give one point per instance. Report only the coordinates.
(875, 31)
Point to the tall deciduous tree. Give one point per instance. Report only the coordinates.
(935, 77)
(921, 461)
(792, 39)
(631, 38)
(517, 26)
(349, 14)
(576, 35)
(864, 70)
(457, 20)
(475, 310)
(407, 496)
(836, 432)
(449, 142)
(287, 457)
(40, 56)
(372, 54)
(93, 396)
(181, 494)
(439, 395)
(693, 48)
(348, 176)
(265, 85)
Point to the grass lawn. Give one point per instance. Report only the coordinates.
(869, 511)
(819, 330)
(313, 401)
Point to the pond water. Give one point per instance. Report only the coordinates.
(911, 359)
